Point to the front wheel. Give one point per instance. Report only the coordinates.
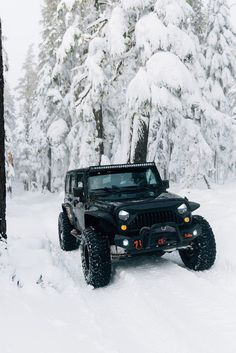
(67, 241)
(201, 256)
(96, 258)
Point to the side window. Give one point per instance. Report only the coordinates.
(151, 178)
(80, 180)
(73, 183)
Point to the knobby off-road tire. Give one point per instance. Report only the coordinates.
(96, 258)
(67, 241)
(203, 253)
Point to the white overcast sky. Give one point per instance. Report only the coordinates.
(20, 20)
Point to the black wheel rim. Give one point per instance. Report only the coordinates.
(192, 251)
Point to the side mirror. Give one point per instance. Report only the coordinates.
(165, 184)
(78, 192)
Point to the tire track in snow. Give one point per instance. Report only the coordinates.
(160, 291)
(69, 262)
(152, 304)
(72, 267)
(175, 293)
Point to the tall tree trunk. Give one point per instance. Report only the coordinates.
(49, 183)
(100, 129)
(139, 142)
(2, 149)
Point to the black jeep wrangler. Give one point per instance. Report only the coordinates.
(124, 210)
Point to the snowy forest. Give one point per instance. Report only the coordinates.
(126, 81)
(118, 81)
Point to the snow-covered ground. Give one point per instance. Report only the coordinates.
(152, 305)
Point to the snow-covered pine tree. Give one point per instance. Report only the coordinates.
(220, 55)
(80, 74)
(9, 120)
(68, 57)
(49, 100)
(77, 26)
(101, 81)
(125, 84)
(10, 124)
(26, 90)
(163, 91)
(198, 18)
(26, 95)
(122, 61)
(165, 99)
(232, 103)
(86, 139)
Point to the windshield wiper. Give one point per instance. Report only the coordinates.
(117, 189)
(141, 187)
(106, 190)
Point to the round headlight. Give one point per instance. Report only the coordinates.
(123, 215)
(182, 209)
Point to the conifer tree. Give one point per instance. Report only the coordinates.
(166, 103)
(26, 90)
(220, 55)
(124, 83)
(232, 102)
(11, 146)
(80, 79)
(198, 18)
(49, 101)
(26, 94)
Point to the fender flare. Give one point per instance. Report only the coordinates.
(103, 222)
(193, 206)
(68, 210)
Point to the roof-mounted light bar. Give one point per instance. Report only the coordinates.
(117, 166)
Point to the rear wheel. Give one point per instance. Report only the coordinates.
(67, 241)
(96, 258)
(201, 256)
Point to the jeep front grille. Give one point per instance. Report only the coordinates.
(150, 218)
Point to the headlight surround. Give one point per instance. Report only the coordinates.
(182, 208)
(123, 215)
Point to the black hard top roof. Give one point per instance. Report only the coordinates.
(112, 166)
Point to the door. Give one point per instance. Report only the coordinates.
(77, 202)
(68, 192)
(69, 199)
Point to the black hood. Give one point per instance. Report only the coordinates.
(165, 199)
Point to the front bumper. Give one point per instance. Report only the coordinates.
(160, 237)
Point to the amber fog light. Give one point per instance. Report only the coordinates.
(123, 227)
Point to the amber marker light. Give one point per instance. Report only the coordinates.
(123, 227)
(188, 235)
(186, 219)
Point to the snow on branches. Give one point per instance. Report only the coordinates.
(134, 80)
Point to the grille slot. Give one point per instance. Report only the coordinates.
(149, 218)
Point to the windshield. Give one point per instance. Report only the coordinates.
(125, 181)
